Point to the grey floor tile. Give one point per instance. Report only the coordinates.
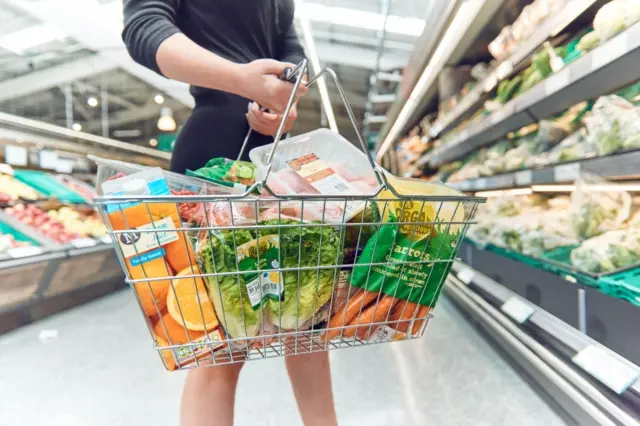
(100, 370)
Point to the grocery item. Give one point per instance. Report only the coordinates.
(287, 299)
(13, 190)
(47, 225)
(188, 302)
(610, 20)
(152, 295)
(596, 208)
(229, 173)
(589, 41)
(608, 252)
(407, 245)
(175, 332)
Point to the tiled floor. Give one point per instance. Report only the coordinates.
(100, 371)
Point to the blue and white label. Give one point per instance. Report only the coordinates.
(147, 257)
(147, 237)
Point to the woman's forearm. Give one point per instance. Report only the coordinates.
(181, 59)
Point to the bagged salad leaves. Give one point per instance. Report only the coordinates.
(226, 172)
(608, 252)
(596, 207)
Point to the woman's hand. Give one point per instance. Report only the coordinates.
(267, 122)
(260, 82)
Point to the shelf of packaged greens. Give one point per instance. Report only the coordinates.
(549, 28)
(611, 369)
(603, 70)
(617, 166)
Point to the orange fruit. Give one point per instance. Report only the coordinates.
(189, 304)
(167, 354)
(153, 290)
(174, 332)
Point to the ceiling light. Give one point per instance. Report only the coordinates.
(360, 19)
(504, 193)
(166, 123)
(153, 142)
(92, 102)
(22, 40)
(159, 99)
(77, 127)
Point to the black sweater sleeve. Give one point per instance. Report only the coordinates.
(147, 23)
(291, 51)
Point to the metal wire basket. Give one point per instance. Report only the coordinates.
(224, 278)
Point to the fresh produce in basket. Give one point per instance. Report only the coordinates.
(405, 245)
(226, 172)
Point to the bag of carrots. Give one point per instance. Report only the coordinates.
(399, 274)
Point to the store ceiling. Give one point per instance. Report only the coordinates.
(48, 45)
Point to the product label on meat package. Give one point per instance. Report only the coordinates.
(147, 237)
(410, 259)
(260, 258)
(325, 180)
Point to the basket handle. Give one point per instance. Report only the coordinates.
(297, 73)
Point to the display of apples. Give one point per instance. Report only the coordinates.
(12, 190)
(43, 222)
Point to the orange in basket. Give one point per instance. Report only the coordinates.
(148, 291)
(167, 354)
(190, 301)
(174, 332)
(180, 254)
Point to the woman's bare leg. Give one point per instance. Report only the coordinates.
(209, 395)
(311, 381)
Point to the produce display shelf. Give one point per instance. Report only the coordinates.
(507, 68)
(44, 243)
(567, 340)
(587, 77)
(616, 166)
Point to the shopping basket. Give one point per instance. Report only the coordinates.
(224, 276)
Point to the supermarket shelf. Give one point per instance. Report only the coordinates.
(507, 68)
(45, 243)
(605, 69)
(618, 166)
(616, 378)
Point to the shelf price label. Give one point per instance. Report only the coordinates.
(83, 242)
(523, 178)
(566, 172)
(26, 251)
(16, 155)
(466, 275)
(519, 310)
(609, 370)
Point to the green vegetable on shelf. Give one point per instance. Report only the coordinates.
(609, 142)
(509, 89)
(588, 42)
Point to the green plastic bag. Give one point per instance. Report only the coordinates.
(226, 172)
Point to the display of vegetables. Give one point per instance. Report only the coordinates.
(44, 223)
(13, 190)
(8, 241)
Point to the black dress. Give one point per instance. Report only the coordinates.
(238, 30)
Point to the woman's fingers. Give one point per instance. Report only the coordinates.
(267, 123)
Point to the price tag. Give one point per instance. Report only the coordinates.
(106, 239)
(83, 242)
(519, 310)
(609, 51)
(466, 275)
(557, 81)
(64, 166)
(490, 82)
(48, 159)
(504, 70)
(566, 172)
(481, 183)
(523, 178)
(16, 155)
(613, 373)
(26, 251)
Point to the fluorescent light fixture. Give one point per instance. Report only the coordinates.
(20, 41)
(360, 18)
(166, 123)
(92, 101)
(312, 54)
(159, 99)
(77, 127)
(464, 16)
(504, 193)
(605, 187)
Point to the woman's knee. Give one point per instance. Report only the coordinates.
(228, 372)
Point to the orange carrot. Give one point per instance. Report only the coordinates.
(422, 314)
(376, 313)
(358, 301)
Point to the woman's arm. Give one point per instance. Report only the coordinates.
(153, 40)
